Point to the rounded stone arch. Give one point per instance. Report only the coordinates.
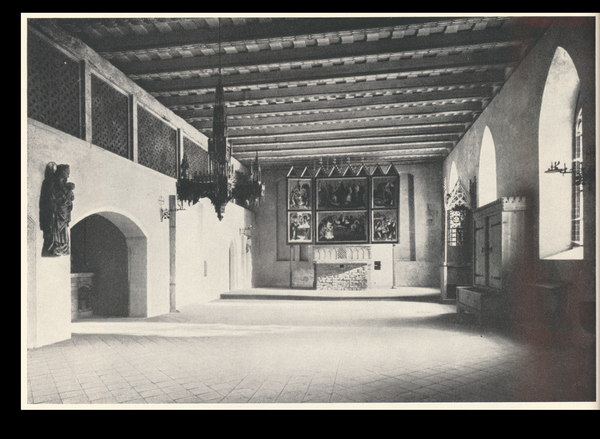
(556, 131)
(137, 254)
(487, 190)
(125, 221)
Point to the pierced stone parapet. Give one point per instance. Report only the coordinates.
(503, 204)
(335, 254)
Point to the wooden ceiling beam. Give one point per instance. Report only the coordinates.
(348, 134)
(340, 116)
(383, 156)
(491, 76)
(335, 51)
(344, 154)
(415, 64)
(355, 149)
(259, 31)
(384, 140)
(408, 98)
(332, 126)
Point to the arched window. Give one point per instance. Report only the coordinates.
(487, 170)
(577, 185)
(453, 177)
(560, 195)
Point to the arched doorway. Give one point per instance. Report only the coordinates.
(112, 248)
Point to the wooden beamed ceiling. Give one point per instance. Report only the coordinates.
(304, 90)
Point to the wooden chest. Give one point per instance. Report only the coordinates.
(486, 305)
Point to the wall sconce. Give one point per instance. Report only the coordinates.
(578, 173)
(166, 213)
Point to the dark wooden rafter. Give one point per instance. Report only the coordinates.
(255, 31)
(354, 150)
(432, 43)
(350, 134)
(470, 107)
(376, 89)
(345, 125)
(473, 60)
(490, 77)
(390, 141)
(423, 98)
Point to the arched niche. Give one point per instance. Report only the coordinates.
(134, 255)
(556, 136)
(488, 191)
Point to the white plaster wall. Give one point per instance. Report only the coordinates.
(203, 240)
(382, 278)
(53, 299)
(103, 182)
(514, 120)
(127, 194)
(190, 255)
(428, 213)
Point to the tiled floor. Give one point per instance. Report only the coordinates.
(321, 353)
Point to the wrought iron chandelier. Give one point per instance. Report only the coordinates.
(221, 184)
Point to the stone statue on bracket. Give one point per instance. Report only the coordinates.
(56, 204)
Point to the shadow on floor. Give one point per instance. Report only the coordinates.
(443, 322)
(429, 298)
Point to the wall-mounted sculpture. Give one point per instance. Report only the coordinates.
(56, 204)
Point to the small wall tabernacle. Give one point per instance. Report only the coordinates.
(81, 295)
(342, 267)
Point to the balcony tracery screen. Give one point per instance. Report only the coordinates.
(196, 156)
(53, 86)
(110, 118)
(157, 144)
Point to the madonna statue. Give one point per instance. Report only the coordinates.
(56, 204)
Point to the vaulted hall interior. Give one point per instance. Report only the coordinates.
(314, 209)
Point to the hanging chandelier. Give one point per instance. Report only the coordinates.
(221, 184)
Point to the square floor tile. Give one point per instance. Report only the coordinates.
(158, 399)
(76, 400)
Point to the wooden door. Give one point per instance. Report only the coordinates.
(495, 251)
(480, 269)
